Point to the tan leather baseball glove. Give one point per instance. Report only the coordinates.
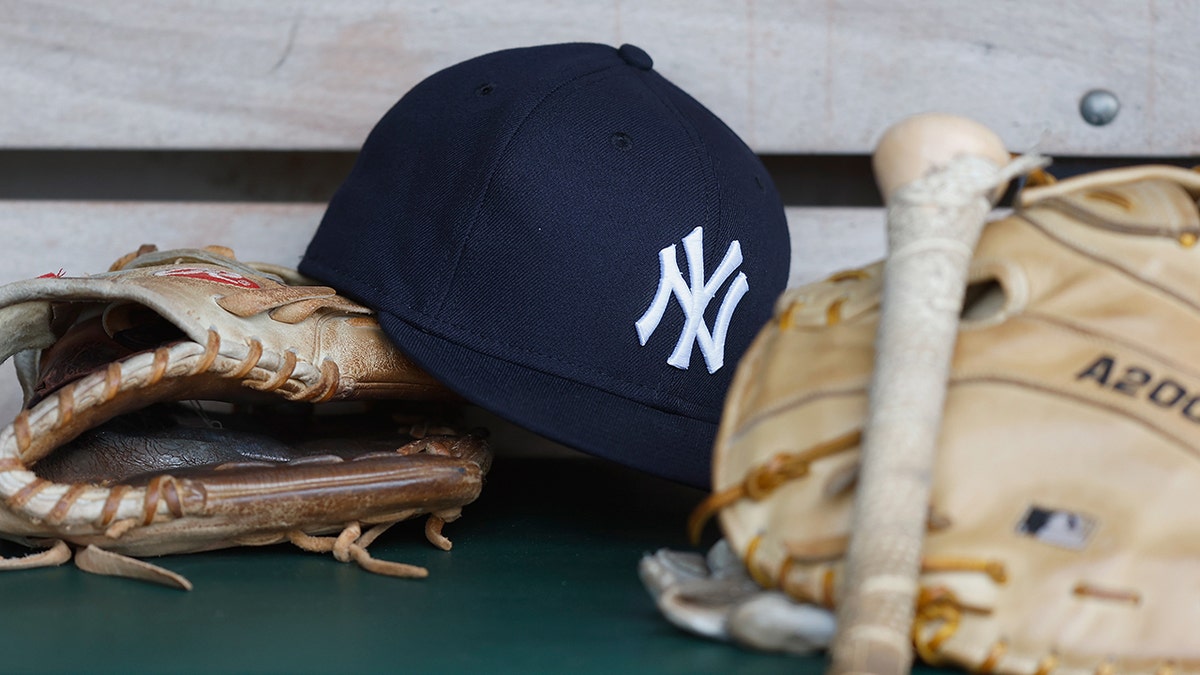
(102, 458)
(1063, 531)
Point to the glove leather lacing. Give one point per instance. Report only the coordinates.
(763, 480)
(938, 612)
(120, 507)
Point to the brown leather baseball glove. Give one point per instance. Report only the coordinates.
(103, 457)
(1062, 533)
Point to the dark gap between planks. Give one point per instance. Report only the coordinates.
(313, 176)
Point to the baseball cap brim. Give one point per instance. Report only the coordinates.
(633, 434)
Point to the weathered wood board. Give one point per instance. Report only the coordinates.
(791, 76)
(85, 237)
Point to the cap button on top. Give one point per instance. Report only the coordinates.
(636, 57)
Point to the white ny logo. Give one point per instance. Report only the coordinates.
(694, 300)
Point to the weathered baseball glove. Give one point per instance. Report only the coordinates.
(103, 458)
(1063, 534)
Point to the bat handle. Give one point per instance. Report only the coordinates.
(940, 175)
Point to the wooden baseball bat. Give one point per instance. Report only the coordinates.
(939, 175)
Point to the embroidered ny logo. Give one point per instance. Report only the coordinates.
(694, 299)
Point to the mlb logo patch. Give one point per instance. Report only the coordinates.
(1057, 527)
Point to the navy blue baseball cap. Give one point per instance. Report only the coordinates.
(568, 240)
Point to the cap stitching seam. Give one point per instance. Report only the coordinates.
(698, 145)
(487, 184)
(522, 348)
(438, 321)
(553, 358)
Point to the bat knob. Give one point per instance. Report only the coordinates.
(922, 143)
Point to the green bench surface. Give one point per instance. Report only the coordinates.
(542, 579)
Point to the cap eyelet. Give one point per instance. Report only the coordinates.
(485, 89)
(621, 141)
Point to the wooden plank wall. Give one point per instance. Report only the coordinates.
(189, 122)
(792, 76)
(85, 237)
